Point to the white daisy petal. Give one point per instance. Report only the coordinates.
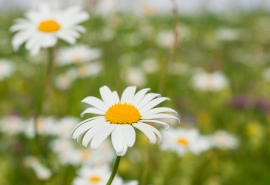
(124, 150)
(128, 94)
(91, 132)
(152, 104)
(116, 97)
(106, 95)
(146, 99)
(139, 96)
(95, 102)
(118, 139)
(165, 125)
(66, 37)
(84, 127)
(149, 133)
(87, 120)
(49, 41)
(156, 116)
(130, 134)
(101, 135)
(157, 110)
(93, 111)
(154, 130)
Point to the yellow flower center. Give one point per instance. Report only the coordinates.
(182, 141)
(123, 114)
(49, 26)
(94, 179)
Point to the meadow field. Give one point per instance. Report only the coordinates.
(217, 79)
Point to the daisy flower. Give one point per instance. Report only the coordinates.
(43, 27)
(210, 81)
(182, 141)
(42, 172)
(118, 116)
(222, 140)
(77, 54)
(6, 68)
(95, 176)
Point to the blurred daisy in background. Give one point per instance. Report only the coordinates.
(227, 34)
(209, 81)
(77, 54)
(134, 76)
(69, 154)
(165, 38)
(183, 140)
(6, 68)
(91, 69)
(42, 28)
(11, 125)
(150, 65)
(95, 176)
(118, 116)
(65, 80)
(41, 171)
(223, 140)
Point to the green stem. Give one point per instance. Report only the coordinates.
(43, 94)
(116, 164)
(45, 89)
(172, 50)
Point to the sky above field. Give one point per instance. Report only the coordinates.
(161, 6)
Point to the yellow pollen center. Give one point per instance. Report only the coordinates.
(123, 114)
(94, 179)
(182, 141)
(49, 26)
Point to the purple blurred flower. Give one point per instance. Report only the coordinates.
(262, 104)
(241, 102)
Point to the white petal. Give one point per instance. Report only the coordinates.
(31, 43)
(66, 37)
(152, 104)
(115, 97)
(149, 133)
(25, 25)
(118, 139)
(147, 98)
(48, 41)
(79, 28)
(154, 130)
(107, 95)
(124, 150)
(20, 38)
(130, 135)
(91, 100)
(128, 94)
(35, 48)
(156, 116)
(165, 125)
(157, 110)
(93, 111)
(87, 120)
(87, 125)
(101, 135)
(91, 133)
(139, 95)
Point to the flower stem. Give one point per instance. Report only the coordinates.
(172, 51)
(43, 94)
(45, 89)
(116, 164)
